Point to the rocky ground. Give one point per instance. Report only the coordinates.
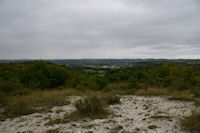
(133, 114)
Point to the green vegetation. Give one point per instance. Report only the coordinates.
(27, 104)
(192, 122)
(44, 84)
(91, 107)
(45, 75)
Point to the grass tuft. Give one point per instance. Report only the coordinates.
(90, 107)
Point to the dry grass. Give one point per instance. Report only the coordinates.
(91, 107)
(23, 105)
(182, 98)
(152, 92)
(30, 99)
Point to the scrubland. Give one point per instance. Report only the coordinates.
(43, 97)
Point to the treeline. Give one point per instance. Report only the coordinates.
(46, 75)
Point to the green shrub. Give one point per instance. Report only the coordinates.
(44, 75)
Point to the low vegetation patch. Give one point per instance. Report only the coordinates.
(112, 99)
(116, 129)
(18, 107)
(23, 105)
(152, 126)
(161, 117)
(181, 98)
(192, 122)
(3, 99)
(152, 92)
(90, 107)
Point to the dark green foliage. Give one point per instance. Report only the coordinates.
(9, 86)
(164, 75)
(93, 82)
(44, 75)
(10, 72)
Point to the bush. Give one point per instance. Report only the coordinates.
(44, 75)
(89, 106)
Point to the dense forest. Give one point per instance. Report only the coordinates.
(46, 75)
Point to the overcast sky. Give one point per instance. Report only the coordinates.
(64, 29)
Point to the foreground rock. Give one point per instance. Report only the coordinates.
(133, 114)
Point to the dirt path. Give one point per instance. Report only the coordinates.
(133, 114)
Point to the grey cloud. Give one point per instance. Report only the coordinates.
(100, 29)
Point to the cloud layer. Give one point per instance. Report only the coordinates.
(51, 29)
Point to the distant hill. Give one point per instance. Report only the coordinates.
(120, 62)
